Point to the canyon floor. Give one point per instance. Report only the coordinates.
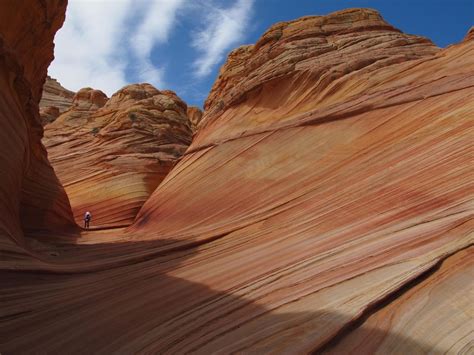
(322, 202)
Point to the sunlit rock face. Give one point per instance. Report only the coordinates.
(325, 199)
(298, 66)
(111, 154)
(333, 163)
(55, 99)
(416, 314)
(31, 198)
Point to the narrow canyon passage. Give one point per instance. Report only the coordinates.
(110, 154)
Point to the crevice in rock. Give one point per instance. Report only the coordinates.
(384, 302)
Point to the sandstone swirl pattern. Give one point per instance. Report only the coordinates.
(326, 198)
(335, 155)
(31, 197)
(110, 155)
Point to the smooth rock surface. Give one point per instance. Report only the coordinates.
(31, 197)
(444, 296)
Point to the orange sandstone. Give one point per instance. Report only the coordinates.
(55, 99)
(31, 197)
(111, 154)
(195, 116)
(329, 179)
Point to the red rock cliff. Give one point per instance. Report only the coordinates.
(31, 196)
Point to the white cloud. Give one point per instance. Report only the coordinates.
(154, 28)
(150, 74)
(87, 48)
(156, 25)
(225, 28)
(106, 44)
(101, 38)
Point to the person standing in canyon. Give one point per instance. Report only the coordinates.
(87, 219)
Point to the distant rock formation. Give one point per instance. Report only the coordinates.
(84, 103)
(110, 154)
(194, 115)
(54, 100)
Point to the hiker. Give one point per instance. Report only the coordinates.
(87, 219)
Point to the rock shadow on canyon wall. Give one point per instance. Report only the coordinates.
(141, 302)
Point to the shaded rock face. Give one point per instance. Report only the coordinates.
(54, 100)
(194, 116)
(48, 114)
(111, 154)
(31, 198)
(324, 205)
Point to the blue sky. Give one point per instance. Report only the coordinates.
(181, 44)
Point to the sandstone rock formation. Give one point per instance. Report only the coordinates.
(30, 195)
(54, 100)
(334, 159)
(110, 155)
(195, 116)
(325, 205)
(84, 103)
(443, 294)
(297, 66)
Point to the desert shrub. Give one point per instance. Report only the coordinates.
(132, 116)
(95, 130)
(220, 105)
(277, 34)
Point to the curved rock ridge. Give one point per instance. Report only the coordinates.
(444, 295)
(31, 197)
(110, 154)
(315, 61)
(322, 198)
(305, 216)
(55, 99)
